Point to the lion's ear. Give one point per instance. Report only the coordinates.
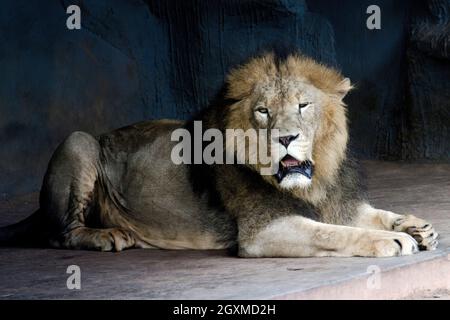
(344, 87)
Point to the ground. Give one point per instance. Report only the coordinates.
(420, 189)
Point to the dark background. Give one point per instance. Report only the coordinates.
(136, 59)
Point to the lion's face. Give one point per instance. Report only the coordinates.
(303, 101)
(293, 107)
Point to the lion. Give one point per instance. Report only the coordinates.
(121, 189)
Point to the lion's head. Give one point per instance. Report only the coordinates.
(303, 100)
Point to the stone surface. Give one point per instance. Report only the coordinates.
(421, 189)
(430, 295)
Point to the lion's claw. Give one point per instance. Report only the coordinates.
(421, 230)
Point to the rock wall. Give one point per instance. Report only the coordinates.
(426, 129)
(134, 60)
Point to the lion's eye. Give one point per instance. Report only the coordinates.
(263, 110)
(303, 105)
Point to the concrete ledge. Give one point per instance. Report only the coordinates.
(399, 282)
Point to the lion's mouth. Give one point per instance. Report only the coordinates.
(289, 165)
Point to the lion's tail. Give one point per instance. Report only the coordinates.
(25, 232)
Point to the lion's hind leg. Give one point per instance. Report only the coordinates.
(69, 195)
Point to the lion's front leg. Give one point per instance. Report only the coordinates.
(295, 236)
(421, 230)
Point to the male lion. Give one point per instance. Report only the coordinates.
(121, 190)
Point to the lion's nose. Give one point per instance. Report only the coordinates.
(286, 140)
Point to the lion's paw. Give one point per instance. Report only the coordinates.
(421, 230)
(121, 239)
(377, 243)
(113, 239)
(396, 244)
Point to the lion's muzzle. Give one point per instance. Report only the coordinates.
(289, 165)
